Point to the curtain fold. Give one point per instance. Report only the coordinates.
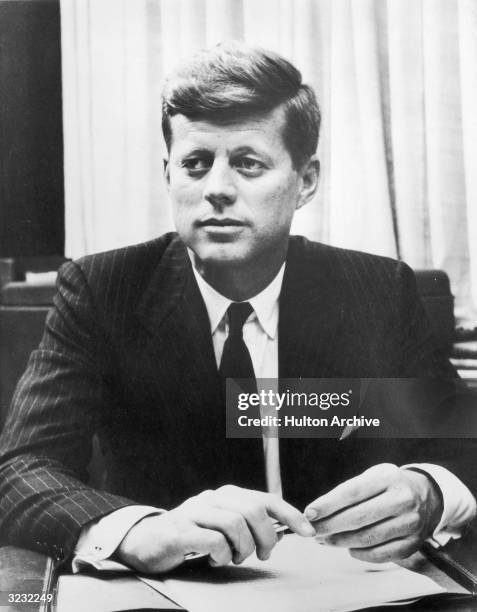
(397, 83)
(359, 182)
(468, 70)
(406, 121)
(443, 128)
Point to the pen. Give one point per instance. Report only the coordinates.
(279, 528)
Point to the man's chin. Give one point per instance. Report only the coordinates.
(221, 255)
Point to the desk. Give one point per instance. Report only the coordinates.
(26, 571)
(23, 571)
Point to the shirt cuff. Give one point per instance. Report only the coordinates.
(459, 505)
(98, 540)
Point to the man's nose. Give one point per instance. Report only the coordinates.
(220, 189)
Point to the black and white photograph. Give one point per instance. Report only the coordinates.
(238, 305)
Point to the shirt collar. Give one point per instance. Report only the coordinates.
(264, 304)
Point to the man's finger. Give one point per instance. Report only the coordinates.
(259, 523)
(258, 510)
(389, 551)
(367, 485)
(288, 515)
(207, 541)
(374, 535)
(236, 498)
(232, 525)
(384, 506)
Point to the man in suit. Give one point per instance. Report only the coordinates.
(140, 339)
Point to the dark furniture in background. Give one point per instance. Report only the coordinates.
(23, 309)
(433, 287)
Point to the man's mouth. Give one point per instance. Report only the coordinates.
(225, 222)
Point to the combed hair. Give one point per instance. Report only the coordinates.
(233, 81)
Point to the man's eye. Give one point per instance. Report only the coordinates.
(196, 165)
(249, 165)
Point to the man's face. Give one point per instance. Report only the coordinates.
(233, 187)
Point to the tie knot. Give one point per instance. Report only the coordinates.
(238, 313)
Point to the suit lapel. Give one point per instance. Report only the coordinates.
(311, 315)
(174, 313)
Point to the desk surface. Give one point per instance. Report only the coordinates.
(26, 571)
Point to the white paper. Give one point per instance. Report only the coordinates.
(82, 592)
(301, 575)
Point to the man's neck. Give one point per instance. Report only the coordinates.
(239, 283)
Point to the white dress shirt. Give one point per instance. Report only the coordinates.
(99, 540)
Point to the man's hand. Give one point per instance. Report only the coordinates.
(227, 524)
(384, 514)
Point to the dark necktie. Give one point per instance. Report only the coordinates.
(244, 456)
(236, 361)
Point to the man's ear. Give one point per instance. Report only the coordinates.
(166, 172)
(310, 179)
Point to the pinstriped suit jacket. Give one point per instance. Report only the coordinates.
(127, 353)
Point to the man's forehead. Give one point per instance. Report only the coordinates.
(266, 124)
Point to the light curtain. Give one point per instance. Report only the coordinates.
(397, 82)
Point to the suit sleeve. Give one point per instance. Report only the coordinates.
(45, 447)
